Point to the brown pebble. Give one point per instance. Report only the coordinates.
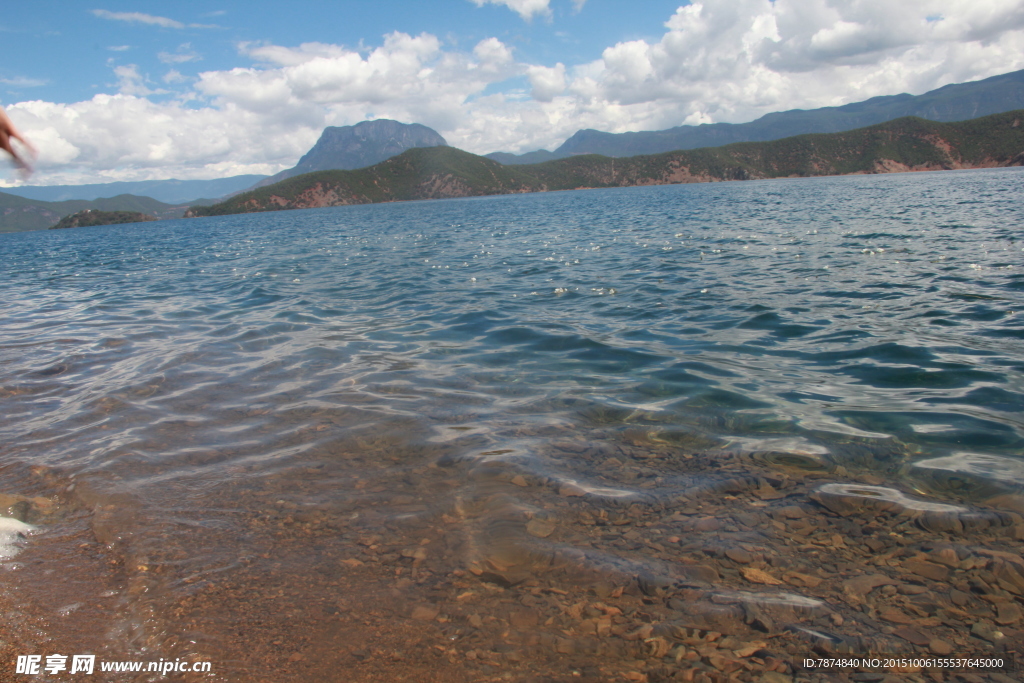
(541, 528)
(755, 575)
(940, 647)
(798, 579)
(699, 572)
(946, 556)
(524, 619)
(739, 555)
(425, 612)
(895, 615)
(519, 480)
(1007, 613)
(791, 512)
(862, 585)
(928, 570)
(707, 524)
(959, 598)
(571, 490)
(912, 636)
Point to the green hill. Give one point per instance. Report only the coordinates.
(18, 213)
(907, 144)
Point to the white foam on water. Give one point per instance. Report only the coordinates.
(12, 532)
(445, 433)
(887, 494)
(998, 468)
(602, 491)
(769, 599)
(788, 445)
(932, 428)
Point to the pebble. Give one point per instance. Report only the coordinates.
(1007, 613)
(739, 555)
(541, 528)
(706, 524)
(571, 490)
(755, 575)
(860, 586)
(928, 570)
(425, 612)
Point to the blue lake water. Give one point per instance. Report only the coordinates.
(386, 362)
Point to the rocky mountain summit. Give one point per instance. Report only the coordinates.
(364, 144)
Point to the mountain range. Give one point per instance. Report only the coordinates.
(371, 142)
(956, 102)
(171, 191)
(905, 144)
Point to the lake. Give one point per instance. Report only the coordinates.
(614, 432)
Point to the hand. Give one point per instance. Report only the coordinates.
(9, 131)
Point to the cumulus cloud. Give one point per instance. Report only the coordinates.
(734, 60)
(546, 82)
(524, 8)
(716, 60)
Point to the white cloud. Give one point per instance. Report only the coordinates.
(734, 60)
(119, 48)
(184, 54)
(174, 76)
(23, 82)
(717, 60)
(493, 55)
(547, 82)
(524, 8)
(142, 18)
(131, 82)
(138, 18)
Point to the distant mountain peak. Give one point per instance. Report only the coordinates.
(364, 144)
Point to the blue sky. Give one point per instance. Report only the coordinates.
(65, 55)
(142, 90)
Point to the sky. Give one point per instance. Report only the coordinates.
(138, 90)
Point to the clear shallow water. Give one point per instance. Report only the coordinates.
(195, 374)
